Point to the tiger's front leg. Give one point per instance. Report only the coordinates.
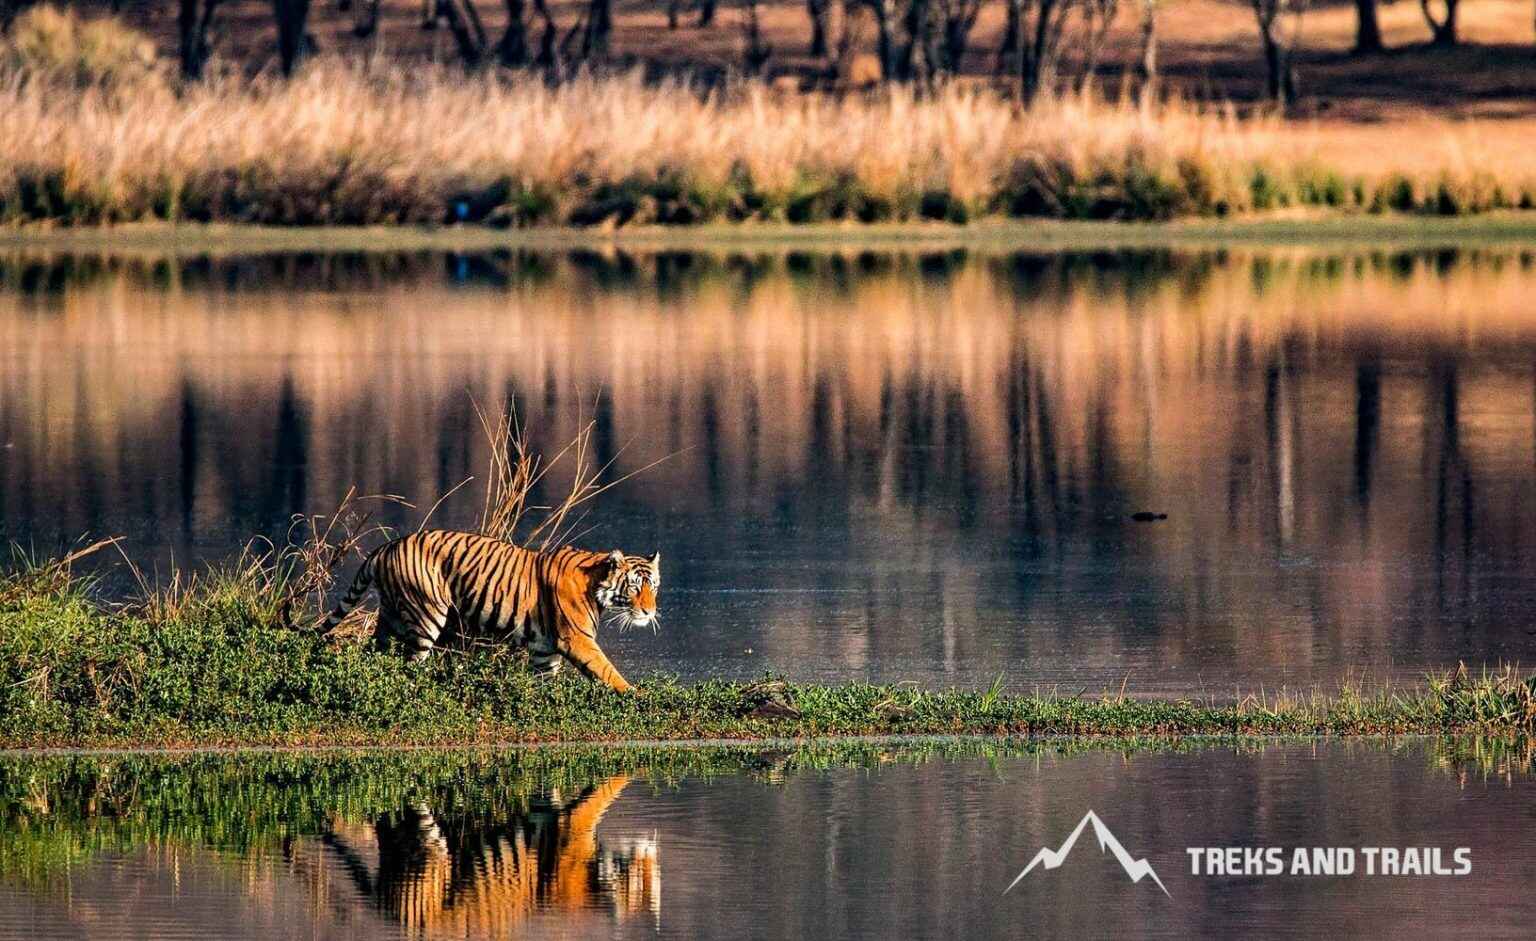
(587, 657)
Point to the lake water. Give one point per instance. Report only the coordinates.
(879, 465)
(864, 840)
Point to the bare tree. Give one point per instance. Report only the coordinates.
(512, 51)
(756, 52)
(1008, 49)
(958, 18)
(1148, 64)
(1279, 44)
(917, 57)
(548, 57)
(1098, 16)
(817, 10)
(193, 22)
(885, 36)
(291, 15)
(1443, 28)
(594, 43)
(1367, 28)
(468, 32)
(1040, 27)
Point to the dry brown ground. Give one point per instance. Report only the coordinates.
(1209, 48)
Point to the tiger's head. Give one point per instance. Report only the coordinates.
(629, 588)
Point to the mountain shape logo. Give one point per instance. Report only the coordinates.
(1137, 869)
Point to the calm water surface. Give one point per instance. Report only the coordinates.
(864, 841)
(882, 466)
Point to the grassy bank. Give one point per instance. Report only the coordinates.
(107, 138)
(211, 664)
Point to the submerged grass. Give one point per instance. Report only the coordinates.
(216, 665)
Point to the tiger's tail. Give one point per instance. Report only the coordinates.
(360, 583)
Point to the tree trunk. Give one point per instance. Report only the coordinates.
(549, 41)
(599, 28)
(757, 52)
(957, 36)
(292, 15)
(912, 60)
(885, 43)
(1037, 53)
(512, 51)
(192, 23)
(839, 35)
(464, 24)
(818, 13)
(1281, 80)
(1444, 30)
(1008, 49)
(706, 13)
(1367, 28)
(1148, 65)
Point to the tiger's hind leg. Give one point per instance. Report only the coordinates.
(388, 627)
(422, 622)
(543, 658)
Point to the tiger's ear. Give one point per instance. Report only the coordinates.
(615, 560)
(656, 563)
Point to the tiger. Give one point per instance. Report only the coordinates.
(437, 583)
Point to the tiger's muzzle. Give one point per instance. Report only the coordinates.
(642, 610)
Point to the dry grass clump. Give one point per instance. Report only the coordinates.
(522, 505)
(343, 145)
(57, 46)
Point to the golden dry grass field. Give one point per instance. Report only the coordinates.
(390, 129)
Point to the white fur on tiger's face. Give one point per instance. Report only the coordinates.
(629, 592)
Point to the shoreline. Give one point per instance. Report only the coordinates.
(766, 743)
(569, 712)
(1341, 230)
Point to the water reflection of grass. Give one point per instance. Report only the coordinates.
(60, 810)
(213, 664)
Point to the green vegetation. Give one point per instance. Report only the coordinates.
(211, 663)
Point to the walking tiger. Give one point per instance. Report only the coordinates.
(437, 583)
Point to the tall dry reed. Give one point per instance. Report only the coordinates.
(343, 145)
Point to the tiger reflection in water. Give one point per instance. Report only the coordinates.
(462, 877)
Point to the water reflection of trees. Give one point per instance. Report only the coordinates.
(926, 426)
